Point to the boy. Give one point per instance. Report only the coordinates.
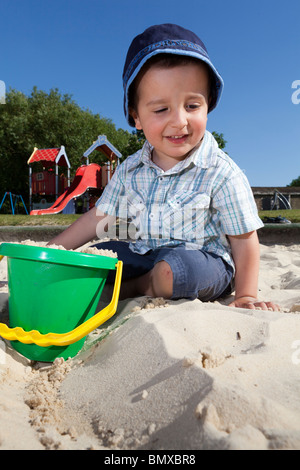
(191, 206)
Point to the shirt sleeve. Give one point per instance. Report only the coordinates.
(236, 206)
(110, 202)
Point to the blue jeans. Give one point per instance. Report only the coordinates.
(196, 273)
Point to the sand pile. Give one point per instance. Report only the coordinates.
(92, 250)
(168, 375)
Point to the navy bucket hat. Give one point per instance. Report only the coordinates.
(169, 39)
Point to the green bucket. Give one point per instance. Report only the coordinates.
(52, 290)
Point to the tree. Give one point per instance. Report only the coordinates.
(295, 182)
(15, 142)
(220, 139)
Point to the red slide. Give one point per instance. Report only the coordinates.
(87, 176)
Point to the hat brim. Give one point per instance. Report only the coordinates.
(217, 87)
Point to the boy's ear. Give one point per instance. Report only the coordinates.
(135, 117)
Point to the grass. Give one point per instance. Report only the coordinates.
(67, 219)
(293, 214)
(30, 220)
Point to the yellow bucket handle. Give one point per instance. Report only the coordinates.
(64, 339)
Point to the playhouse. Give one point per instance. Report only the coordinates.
(47, 181)
(113, 155)
(89, 180)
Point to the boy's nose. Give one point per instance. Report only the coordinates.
(179, 118)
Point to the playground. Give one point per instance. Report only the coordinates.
(52, 192)
(15, 200)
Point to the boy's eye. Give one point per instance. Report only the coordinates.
(193, 106)
(160, 110)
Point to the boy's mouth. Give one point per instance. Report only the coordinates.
(177, 139)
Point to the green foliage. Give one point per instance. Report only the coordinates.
(295, 182)
(220, 139)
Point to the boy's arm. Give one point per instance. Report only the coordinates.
(245, 252)
(91, 224)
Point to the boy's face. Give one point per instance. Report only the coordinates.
(172, 105)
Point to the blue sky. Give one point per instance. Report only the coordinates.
(80, 46)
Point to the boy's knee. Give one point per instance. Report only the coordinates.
(162, 280)
(163, 269)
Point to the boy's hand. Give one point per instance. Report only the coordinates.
(90, 225)
(254, 304)
(245, 252)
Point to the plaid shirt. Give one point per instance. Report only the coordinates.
(196, 203)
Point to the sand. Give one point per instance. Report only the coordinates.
(92, 250)
(181, 375)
